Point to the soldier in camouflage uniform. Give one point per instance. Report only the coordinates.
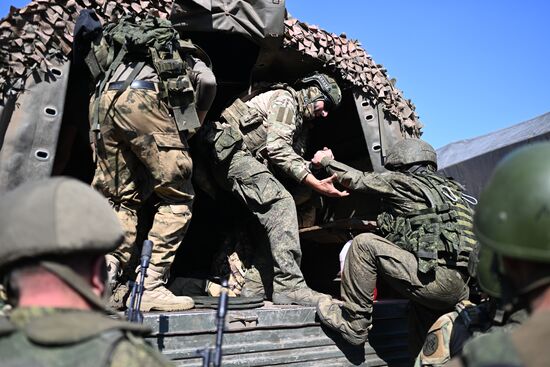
(423, 243)
(142, 152)
(54, 235)
(268, 131)
(512, 220)
(450, 332)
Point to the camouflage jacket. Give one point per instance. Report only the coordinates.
(278, 133)
(64, 337)
(524, 346)
(423, 213)
(448, 335)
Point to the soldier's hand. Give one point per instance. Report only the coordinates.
(320, 154)
(325, 186)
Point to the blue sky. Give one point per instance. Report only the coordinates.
(470, 67)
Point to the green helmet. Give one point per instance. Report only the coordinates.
(410, 151)
(486, 272)
(56, 216)
(330, 91)
(513, 214)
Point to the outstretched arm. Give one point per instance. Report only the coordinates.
(351, 178)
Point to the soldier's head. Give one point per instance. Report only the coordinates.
(512, 220)
(55, 233)
(407, 153)
(320, 94)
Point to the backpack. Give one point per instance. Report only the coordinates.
(150, 40)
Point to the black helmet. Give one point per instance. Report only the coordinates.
(331, 93)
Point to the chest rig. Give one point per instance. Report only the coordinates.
(250, 121)
(440, 234)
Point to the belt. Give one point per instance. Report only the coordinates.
(136, 84)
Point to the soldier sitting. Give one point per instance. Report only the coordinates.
(421, 249)
(54, 235)
(269, 130)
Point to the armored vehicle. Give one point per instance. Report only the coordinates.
(44, 131)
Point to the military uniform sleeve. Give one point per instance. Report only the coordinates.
(137, 353)
(281, 127)
(350, 178)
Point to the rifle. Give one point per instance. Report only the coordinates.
(134, 314)
(213, 355)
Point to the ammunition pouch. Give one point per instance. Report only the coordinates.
(249, 122)
(176, 88)
(241, 116)
(224, 140)
(432, 235)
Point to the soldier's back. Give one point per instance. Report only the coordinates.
(59, 338)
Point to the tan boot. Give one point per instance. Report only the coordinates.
(157, 297)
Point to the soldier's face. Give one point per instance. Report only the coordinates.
(319, 109)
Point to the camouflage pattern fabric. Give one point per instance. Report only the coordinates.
(348, 59)
(447, 336)
(526, 345)
(371, 256)
(59, 345)
(140, 153)
(268, 200)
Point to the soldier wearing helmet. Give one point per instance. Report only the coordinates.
(512, 220)
(421, 249)
(269, 129)
(449, 334)
(54, 237)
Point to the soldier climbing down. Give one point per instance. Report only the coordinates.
(270, 129)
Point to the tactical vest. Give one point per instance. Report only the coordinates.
(48, 341)
(249, 121)
(153, 41)
(439, 235)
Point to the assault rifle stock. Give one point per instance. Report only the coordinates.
(212, 356)
(134, 314)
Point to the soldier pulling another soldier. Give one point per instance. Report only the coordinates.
(269, 129)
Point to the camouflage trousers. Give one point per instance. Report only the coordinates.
(371, 256)
(140, 153)
(273, 206)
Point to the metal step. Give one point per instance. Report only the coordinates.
(280, 335)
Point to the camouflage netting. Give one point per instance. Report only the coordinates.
(34, 35)
(348, 59)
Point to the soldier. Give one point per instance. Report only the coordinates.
(54, 235)
(142, 150)
(422, 247)
(451, 331)
(270, 129)
(512, 219)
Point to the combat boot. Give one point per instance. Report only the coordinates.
(353, 330)
(157, 297)
(300, 296)
(253, 286)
